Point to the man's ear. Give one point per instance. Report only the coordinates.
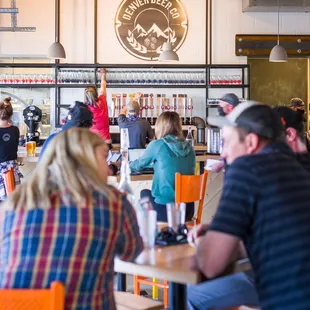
(252, 143)
(291, 134)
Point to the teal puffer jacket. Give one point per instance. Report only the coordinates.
(170, 154)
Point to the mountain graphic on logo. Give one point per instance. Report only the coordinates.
(167, 31)
(140, 30)
(153, 31)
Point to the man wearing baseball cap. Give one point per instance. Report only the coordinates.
(78, 116)
(139, 130)
(263, 207)
(227, 103)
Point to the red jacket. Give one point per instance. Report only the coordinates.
(101, 118)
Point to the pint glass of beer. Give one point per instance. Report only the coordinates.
(31, 148)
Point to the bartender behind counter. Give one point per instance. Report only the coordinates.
(139, 130)
(99, 107)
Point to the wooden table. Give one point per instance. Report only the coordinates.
(172, 263)
(138, 177)
(23, 158)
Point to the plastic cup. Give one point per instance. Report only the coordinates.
(176, 215)
(148, 227)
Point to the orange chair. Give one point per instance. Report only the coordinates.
(9, 180)
(33, 299)
(188, 188)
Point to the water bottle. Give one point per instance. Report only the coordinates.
(124, 184)
(190, 137)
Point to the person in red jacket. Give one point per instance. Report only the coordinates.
(99, 107)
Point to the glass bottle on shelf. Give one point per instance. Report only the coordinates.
(190, 137)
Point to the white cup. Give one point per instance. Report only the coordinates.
(147, 221)
(176, 215)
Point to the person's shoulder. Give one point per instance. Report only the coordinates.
(304, 160)
(156, 143)
(144, 121)
(122, 118)
(242, 165)
(102, 97)
(117, 198)
(50, 138)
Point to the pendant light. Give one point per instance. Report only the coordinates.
(278, 53)
(56, 50)
(168, 54)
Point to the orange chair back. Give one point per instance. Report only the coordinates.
(33, 299)
(9, 181)
(190, 188)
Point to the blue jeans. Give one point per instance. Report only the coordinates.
(226, 292)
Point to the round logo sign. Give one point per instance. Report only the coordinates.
(6, 137)
(143, 26)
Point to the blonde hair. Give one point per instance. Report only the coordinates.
(91, 96)
(168, 123)
(68, 169)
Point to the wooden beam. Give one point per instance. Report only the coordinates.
(261, 45)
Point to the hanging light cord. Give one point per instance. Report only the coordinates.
(278, 22)
(168, 27)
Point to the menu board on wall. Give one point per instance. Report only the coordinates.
(142, 26)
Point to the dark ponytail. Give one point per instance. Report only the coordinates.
(6, 109)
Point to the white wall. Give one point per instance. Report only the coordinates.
(32, 13)
(77, 19)
(229, 20)
(191, 52)
(77, 30)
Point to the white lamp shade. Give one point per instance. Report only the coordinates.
(56, 50)
(168, 53)
(278, 54)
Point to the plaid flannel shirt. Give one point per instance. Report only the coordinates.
(73, 245)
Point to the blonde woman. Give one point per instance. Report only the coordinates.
(9, 136)
(65, 223)
(170, 153)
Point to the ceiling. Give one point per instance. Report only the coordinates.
(272, 5)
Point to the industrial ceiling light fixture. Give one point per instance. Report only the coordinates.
(168, 54)
(278, 53)
(56, 50)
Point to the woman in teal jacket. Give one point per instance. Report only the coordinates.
(170, 153)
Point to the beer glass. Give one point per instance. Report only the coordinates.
(31, 148)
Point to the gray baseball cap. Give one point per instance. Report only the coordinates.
(253, 116)
(231, 98)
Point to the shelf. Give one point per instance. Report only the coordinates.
(63, 85)
(156, 86)
(229, 86)
(27, 85)
(108, 86)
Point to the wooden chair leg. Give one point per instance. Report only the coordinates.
(136, 285)
(166, 300)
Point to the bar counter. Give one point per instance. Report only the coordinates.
(144, 181)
